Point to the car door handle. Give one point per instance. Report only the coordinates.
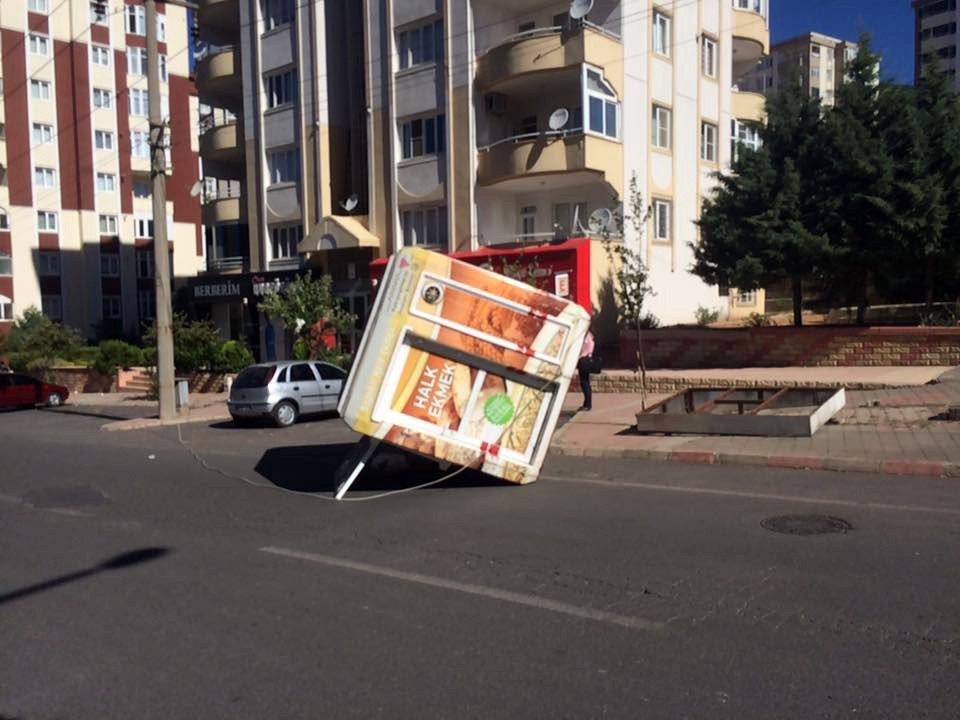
(296, 387)
(326, 387)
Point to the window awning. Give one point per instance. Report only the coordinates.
(336, 232)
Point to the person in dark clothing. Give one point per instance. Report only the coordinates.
(583, 368)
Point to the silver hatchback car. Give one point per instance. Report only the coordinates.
(285, 390)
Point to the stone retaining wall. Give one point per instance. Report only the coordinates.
(680, 348)
(81, 380)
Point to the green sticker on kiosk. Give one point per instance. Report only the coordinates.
(498, 409)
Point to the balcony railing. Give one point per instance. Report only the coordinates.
(227, 264)
(524, 137)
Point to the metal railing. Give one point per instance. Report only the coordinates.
(238, 262)
(552, 30)
(524, 137)
(206, 49)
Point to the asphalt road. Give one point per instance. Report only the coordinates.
(145, 578)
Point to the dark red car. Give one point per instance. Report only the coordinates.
(18, 390)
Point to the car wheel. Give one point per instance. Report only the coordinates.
(54, 400)
(285, 413)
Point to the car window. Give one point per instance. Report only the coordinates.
(22, 380)
(4, 380)
(329, 372)
(282, 375)
(254, 377)
(301, 373)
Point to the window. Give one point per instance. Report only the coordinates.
(708, 142)
(747, 298)
(39, 44)
(661, 34)
(6, 265)
(814, 73)
(102, 98)
(145, 264)
(567, 217)
(302, 373)
(6, 308)
(108, 224)
(44, 177)
(4, 221)
(100, 55)
(103, 140)
(282, 88)
(163, 70)
(39, 89)
(136, 61)
(42, 134)
(743, 134)
(425, 226)
(136, 19)
(46, 221)
(662, 210)
(603, 108)
(528, 125)
(528, 220)
(662, 127)
(814, 49)
(708, 56)
(140, 144)
(98, 13)
(283, 166)
(106, 182)
(52, 306)
(139, 101)
(146, 304)
(424, 136)
(420, 45)
(141, 189)
(277, 13)
(48, 263)
(143, 227)
(161, 27)
(329, 372)
(286, 240)
(110, 265)
(39, 6)
(111, 307)
(815, 92)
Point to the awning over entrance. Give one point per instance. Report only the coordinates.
(336, 232)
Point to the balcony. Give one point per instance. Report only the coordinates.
(224, 209)
(749, 106)
(218, 77)
(227, 265)
(222, 144)
(751, 36)
(523, 163)
(551, 49)
(287, 263)
(219, 16)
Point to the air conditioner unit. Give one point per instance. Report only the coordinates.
(495, 103)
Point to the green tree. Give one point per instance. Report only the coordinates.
(40, 341)
(761, 224)
(304, 303)
(195, 344)
(857, 184)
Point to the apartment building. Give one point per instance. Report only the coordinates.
(505, 124)
(283, 136)
(76, 219)
(936, 36)
(819, 61)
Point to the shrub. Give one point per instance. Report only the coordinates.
(232, 357)
(35, 333)
(195, 344)
(115, 354)
(649, 321)
(756, 319)
(86, 355)
(706, 316)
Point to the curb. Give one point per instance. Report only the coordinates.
(146, 423)
(890, 466)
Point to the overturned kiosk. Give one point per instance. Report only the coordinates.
(463, 365)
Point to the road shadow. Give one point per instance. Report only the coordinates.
(132, 413)
(312, 468)
(255, 423)
(117, 562)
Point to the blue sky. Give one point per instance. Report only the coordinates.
(890, 22)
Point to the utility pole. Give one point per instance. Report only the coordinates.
(161, 255)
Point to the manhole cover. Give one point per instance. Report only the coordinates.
(806, 524)
(65, 497)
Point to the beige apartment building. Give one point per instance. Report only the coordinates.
(498, 124)
(818, 60)
(76, 219)
(936, 36)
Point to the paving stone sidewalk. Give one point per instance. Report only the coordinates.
(896, 430)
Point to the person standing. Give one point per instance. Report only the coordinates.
(584, 367)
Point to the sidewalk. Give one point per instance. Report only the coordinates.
(889, 430)
(204, 407)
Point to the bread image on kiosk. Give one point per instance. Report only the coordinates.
(463, 365)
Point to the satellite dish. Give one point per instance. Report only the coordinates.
(350, 204)
(197, 187)
(558, 119)
(600, 220)
(580, 8)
